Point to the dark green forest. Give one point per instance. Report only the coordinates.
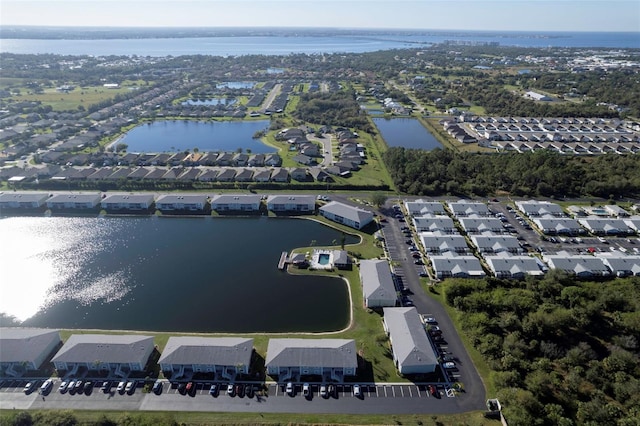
(562, 352)
(539, 173)
(338, 109)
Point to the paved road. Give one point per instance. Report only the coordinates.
(390, 398)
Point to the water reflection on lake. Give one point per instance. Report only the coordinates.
(166, 274)
(406, 132)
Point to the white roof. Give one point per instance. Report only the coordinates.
(539, 208)
(410, 343)
(513, 265)
(236, 199)
(458, 265)
(128, 198)
(291, 199)
(181, 199)
(354, 214)
(377, 282)
(74, 198)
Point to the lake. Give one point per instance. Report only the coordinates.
(181, 135)
(166, 274)
(406, 132)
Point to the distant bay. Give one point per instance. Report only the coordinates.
(312, 44)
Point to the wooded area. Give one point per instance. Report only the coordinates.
(563, 352)
(540, 173)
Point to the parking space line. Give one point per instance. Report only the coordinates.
(393, 390)
(377, 391)
(402, 391)
(385, 391)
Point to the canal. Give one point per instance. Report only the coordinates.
(166, 274)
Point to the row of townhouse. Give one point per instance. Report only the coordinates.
(23, 350)
(568, 147)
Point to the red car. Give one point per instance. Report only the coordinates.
(433, 391)
(189, 387)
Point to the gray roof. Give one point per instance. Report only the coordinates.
(513, 265)
(327, 353)
(433, 242)
(128, 198)
(456, 265)
(466, 208)
(236, 199)
(481, 223)
(410, 343)
(25, 344)
(348, 212)
(377, 282)
(580, 265)
(23, 197)
(558, 224)
(291, 199)
(75, 198)
(539, 208)
(605, 225)
(340, 257)
(188, 350)
(496, 242)
(623, 263)
(423, 208)
(107, 348)
(181, 199)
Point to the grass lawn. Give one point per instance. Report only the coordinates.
(80, 96)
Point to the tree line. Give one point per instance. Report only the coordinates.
(562, 352)
(540, 173)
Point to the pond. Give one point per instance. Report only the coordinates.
(236, 85)
(166, 274)
(181, 135)
(210, 102)
(406, 133)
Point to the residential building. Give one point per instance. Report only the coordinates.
(412, 351)
(333, 359)
(605, 226)
(445, 266)
(26, 349)
(558, 225)
(22, 200)
(581, 266)
(425, 208)
(439, 243)
(190, 202)
(117, 354)
(533, 208)
(353, 217)
(623, 265)
(293, 203)
(378, 289)
(226, 357)
(231, 202)
(127, 202)
(481, 225)
(467, 208)
(515, 267)
(74, 201)
(443, 224)
(497, 244)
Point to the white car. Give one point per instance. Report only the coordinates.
(306, 390)
(130, 387)
(121, 387)
(290, 389)
(63, 387)
(323, 391)
(357, 392)
(46, 386)
(449, 365)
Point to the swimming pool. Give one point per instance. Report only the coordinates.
(324, 258)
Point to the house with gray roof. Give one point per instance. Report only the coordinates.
(378, 289)
(236, 202)
(515, 267)
(127, 202)
(117, 354)
(443, 224)
(437, 243)
(467, 208)
(291, 203)
(22, 200)
(633, 222)
(74, 201)
(26, 349)
(481, 225)
(412, 351)
(181, 202)
(623, 265)
(425, 208)
(446, 266)
(333, 359)
(580, 266)
(262, 175)
(533, 208)
(345, 214)
(497, 244)
(226, 357)
(558, 225)
(605, 226)
(280, 174)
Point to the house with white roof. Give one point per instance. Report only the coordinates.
(633, 222)
(182, 202)
(446, 266)
(236, 202)
(443, 224)
(622, 265)
(558, 225)
(226, 357)
(412, 351)
(378, 289)
(291, 203)
(127, 202)
(22, 200)
(533, 208)
(117, 354)
(516, 267)
(333, 359)
(497, 244)
(581, 266)
(481, 225)
(437, 243)
(605, 226)
(345, 214)
(615, 210)
(425, 208)
(25, 349)
(468, 208)
(74, 201)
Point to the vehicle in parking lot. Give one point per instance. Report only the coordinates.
(306, 390)
(45, 388)
(88, 387)
(189, 387)
(449, 365)
(106, 386)
(427, 319)
(423, 274)
(130, 388)
(213, 390)
(433, 391)
(332, 390)
(79, 386)
(182, 388)
(157, 387)
(323, 391)
(290, 389)
(230, 390)
(29, 387)
(357, 392)
(240, 390)
(63, 386)
(248, 391)
(71, 387)
(121, 387)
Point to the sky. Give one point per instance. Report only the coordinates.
(503, 15)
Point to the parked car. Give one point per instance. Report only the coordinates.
(306, 390)
(157, 387)
(449, 365)
(79, 386)
(240, 390)
(106, 386)
(357, 392)
(290, 389)
(63, 386)
(29, 387)
(71, 387)
(332, 390)
(429, 320)
(189, 388)
(121, 386)
(130, 388)
(323, 391)
(45, 388)
(231, 390)
(248, 391)
(433, 391)
(213, 390)
(88, 387)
